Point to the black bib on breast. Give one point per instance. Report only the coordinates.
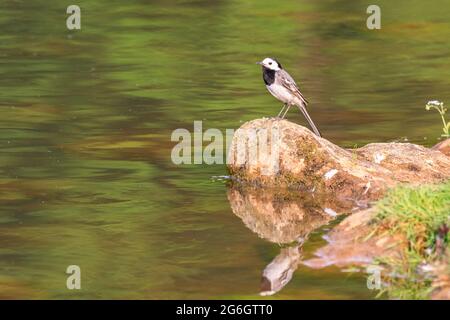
(268, 76)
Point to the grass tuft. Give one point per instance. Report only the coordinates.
(419, 214)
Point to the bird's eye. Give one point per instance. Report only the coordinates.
(270, 62)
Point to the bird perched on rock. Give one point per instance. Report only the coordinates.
(283, 87)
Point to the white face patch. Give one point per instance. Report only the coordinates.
(271, 64)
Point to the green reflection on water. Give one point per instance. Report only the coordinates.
(86, 176)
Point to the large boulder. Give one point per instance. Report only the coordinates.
(277, 153)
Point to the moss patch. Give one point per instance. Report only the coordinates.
(421, 215)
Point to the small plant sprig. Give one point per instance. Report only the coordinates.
(439, 107)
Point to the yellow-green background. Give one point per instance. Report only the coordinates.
(86, 118)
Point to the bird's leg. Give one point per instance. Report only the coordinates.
(281, 111)
(284, 114)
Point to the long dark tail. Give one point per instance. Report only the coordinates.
(311, 123)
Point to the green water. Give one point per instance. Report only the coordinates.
(86, 176)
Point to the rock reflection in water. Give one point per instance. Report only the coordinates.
(285, 218)
(279, 272)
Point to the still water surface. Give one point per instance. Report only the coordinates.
(86, 118)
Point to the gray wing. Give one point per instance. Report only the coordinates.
(288, 82)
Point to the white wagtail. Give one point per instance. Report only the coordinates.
(281, 85)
